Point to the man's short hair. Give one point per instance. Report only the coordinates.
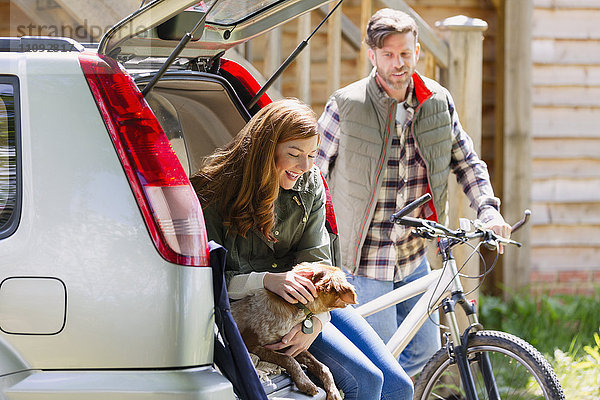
(386, 22)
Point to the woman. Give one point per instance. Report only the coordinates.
(264, 201)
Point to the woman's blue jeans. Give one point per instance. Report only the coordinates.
(363, 368)
(385, 322)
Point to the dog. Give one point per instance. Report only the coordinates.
(263, 318)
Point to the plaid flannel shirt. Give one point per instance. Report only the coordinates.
(390, 252)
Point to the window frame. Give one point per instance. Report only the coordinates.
(11, 225)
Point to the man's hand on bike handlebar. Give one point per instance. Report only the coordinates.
(495, 232)
(500, 228)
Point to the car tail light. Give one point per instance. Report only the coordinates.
(161, 187)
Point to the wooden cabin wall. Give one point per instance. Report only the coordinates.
(566, 146)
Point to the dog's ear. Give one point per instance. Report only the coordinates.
(347, 296)
(305, 269)
(345, 290)
(312, 270)
(318, 276)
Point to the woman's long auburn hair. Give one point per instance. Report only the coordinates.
(241, 178)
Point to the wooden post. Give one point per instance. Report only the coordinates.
(429, 65)
(495, 280)
(273, 55)
(516, 160)
(303, 60)
(334, 50)
(364, 65)
(465, 84)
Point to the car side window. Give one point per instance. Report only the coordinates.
(10, 165)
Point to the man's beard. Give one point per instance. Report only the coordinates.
(396, 84)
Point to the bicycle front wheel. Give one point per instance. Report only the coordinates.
(517, 371)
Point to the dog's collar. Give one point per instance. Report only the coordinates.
(307, 324)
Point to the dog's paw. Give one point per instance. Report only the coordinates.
(334, 395)
(308, 387)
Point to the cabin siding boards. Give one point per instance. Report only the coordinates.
(566, 144)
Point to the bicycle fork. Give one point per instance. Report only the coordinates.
(458, 350)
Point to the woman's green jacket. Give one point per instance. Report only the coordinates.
(299, 229)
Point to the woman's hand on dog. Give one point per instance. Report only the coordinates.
(295, 342)
(292, 287)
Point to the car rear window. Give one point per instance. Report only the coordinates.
(10, 187)
(233, 12)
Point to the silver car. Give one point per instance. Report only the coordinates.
(105, 279)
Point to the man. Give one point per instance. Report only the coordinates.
(388, 139)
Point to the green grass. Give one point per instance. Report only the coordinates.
(564, 328)
(579, 375)
(562, 322)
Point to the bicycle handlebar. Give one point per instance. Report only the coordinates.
(432, 229)
(523, 221)
(410, 207)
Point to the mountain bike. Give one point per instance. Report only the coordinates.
(477, 363)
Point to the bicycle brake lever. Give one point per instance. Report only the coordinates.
(490, 244)
(499, 239)
(426, 234)
(510, 241)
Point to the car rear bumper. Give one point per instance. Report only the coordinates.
(190, 383)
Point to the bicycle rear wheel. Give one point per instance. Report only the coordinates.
(519, 370)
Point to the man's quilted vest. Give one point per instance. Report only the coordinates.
(367, 123)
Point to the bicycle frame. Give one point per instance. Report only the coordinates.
(436, 286)
(442, 286)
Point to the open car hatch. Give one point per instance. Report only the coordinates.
(155, 29)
